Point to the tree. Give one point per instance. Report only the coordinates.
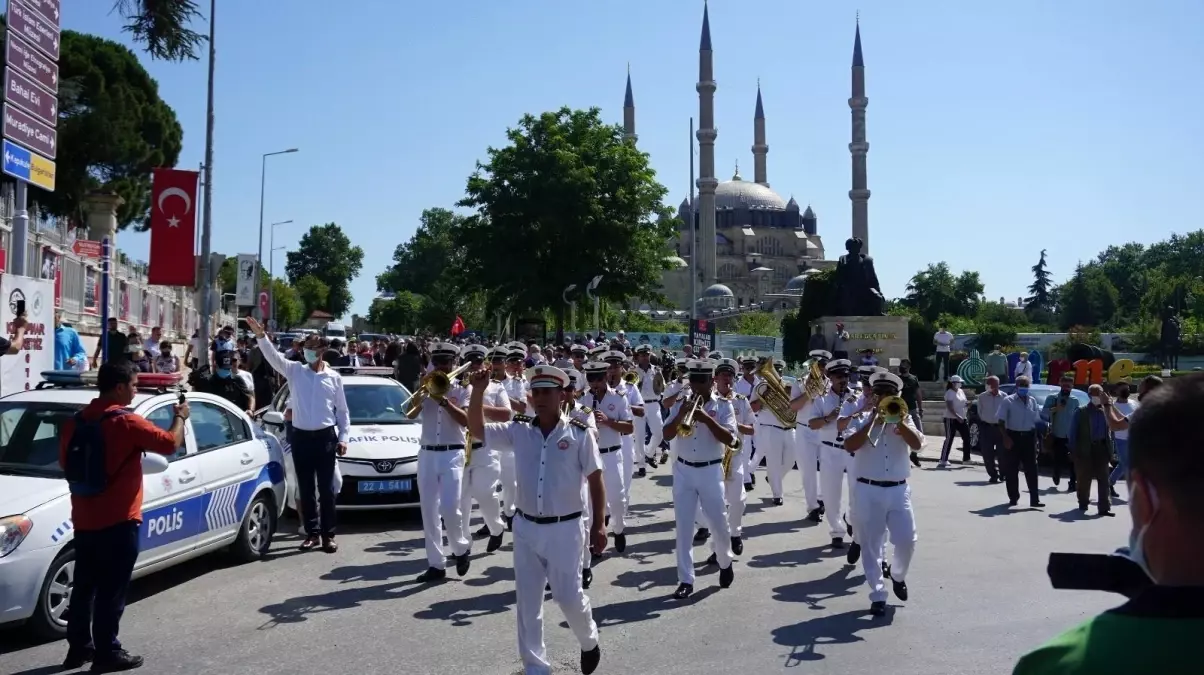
(759, 323)
(228, 276)
(1040, 288)
(399, 314)
(326, 254)
(113, 129)
(162, 27)
(934, 291)
(429, 260)
(313, 294)
(1088, 299)
(566, 200)
(289, 309)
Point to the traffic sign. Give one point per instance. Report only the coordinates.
(31, 63)
(41, 32)
(86, 248)
(21, 90)
(49, 9)
(28, 166)
(28, 131)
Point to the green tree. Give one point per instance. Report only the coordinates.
(1088, 299)
(566, 200)
(399, 314)
(999, 313)
(228, 275)
(289, 309)
(759, 323)
(1041, 299)
(162, 27)
(429, 259)
(934, 291)
(326, 254)
(113, 129)
(312, 292)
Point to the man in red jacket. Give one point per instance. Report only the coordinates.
(107, 524)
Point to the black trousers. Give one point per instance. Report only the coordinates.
(942, 358)
(1061, 461)
(990, 442)
(313, 462)
(1022, 454)
(104, 561)
(953, 428)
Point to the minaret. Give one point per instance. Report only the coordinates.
(860, 194)
(706, 154)
(629, 111)
(759, 148)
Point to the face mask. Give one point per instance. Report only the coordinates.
(311, 356)
(1022, 391)
(1095, 401)
(1137, 537)
(223, 372)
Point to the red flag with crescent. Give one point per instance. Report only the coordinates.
(457, 326)
(173, 228)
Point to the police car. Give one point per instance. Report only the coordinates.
(380, 469)
(223, 489)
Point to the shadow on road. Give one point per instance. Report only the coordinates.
(461, 611)
(813, 592)
(795, 557)
(805, 637)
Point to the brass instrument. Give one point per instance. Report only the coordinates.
(775, 396)
(729, 453)
(686, 428)
(814, 384)
(892, 410)
(435, 386)
(631, 377)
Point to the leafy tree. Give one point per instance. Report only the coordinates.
(1041, 298)
(312, 292)
(566, 200)
(228, 276)
(999, 313)
(289, 309)
(399, 314)
(326, 254)
(429, 260)
(758, 323)
(113, 129)
(934, 291)
(1088, 299)
(162, 27)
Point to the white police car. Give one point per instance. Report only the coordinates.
(380, 469)
(224, 488)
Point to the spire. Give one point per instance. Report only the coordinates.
(628, 99)
(760, 113)
(629, 110)
(858, 147)
(760, 147)
(705, 45)
(857, 61)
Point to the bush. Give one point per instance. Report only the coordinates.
(991, 334)
(919, 348)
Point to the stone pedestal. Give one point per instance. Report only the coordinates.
(886, 335)
(102, 216)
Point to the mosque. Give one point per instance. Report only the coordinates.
(753, 246)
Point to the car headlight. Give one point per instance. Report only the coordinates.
(12, 532)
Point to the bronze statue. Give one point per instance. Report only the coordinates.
(857, 291)
(1171, 339)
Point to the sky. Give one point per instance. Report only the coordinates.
(996, 130)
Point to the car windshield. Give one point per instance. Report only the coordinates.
(29, 437)
(377, 403)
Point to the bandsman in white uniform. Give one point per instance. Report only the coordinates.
(650, 430)
(508, 369)
(483, 469)
(585, 415)
(612, 414)
(808, 443)
(617, 363)
(556, 459)
(577, 354)
(746, 384)
(880, 491)
(775, 436)
(698, 474)
(827, 412)
(733, 484)
(441, 470)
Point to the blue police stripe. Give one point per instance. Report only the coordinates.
(216, 510)
(61, 531)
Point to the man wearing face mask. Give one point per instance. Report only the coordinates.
(223, 381)
(1059, 410)
(1090, 446)
(1159, 629)
(1018, 421)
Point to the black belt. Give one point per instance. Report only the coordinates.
(834, 445)
(1013, 431)
(699, 465)
(882, 483)
(453, 446)
(312, 432)
(779, 427)
(548, 520)
(612, 448)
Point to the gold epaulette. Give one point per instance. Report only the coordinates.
(578, 423)
(587, 410)
(740, 396)
(525, 419)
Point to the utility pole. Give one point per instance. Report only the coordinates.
(207, 220)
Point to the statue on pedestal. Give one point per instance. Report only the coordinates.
(857, 291)
(1171, 339)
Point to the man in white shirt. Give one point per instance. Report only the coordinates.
(775, 436)
(744, 385)
(943, 340)
(990, 416)
(321, 426)
(612, 414)
(733, 482)
(826, 414)
(807, 441)
(483, 466)
(883, 499)
(650, 430)
(616, 362)
(508, 369)
(556, 460)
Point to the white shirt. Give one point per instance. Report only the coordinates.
(1023, 368)
(824, 406)
(615, 407)
(1125, 408)
(438, 427)
(151, 347)
(633, 396)
(742, 408)
(890, 459)
(674, 388)
(703, 446)
(743, 386)
(944, 341)
(958, 398)
(247, 379)
(550, 471)
(585, 416)
(648, 383)
(516, 388)
(317, 398)
(495, 395)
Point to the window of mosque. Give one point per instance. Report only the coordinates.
(728, 272)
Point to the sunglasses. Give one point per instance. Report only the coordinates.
(594, 377)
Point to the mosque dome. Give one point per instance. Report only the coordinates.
(717, 291)
(676, 262)
(738, 193)
(797, 283)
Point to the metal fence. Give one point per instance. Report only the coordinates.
(132, 301)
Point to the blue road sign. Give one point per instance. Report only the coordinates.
(28, 166)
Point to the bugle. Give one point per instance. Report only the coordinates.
(686, 428)
(435, 386)
(892, 410)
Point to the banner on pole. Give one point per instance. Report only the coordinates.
(23, 371)
(244, 293)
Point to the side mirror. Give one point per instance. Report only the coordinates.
(153, 463)
(274, 417)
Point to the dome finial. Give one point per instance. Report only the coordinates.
(736, 176)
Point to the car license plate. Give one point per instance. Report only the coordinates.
(385, 486)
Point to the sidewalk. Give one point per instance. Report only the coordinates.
(931, 452)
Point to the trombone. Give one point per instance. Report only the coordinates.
(435, 385)
(686, 428)
(892, 410)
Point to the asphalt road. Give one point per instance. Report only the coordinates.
(979, 598)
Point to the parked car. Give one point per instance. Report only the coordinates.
(1037, 391)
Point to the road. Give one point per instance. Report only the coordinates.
(979, 598)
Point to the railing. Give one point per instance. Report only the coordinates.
(132, 301)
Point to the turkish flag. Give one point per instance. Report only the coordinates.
(173, 228)
(457, 326)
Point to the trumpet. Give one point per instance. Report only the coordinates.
(435, 386)
(892, 410)
(686, 428)
(631, 377)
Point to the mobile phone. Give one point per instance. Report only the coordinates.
(20, 308)
(181, 398)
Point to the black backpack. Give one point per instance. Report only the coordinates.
(85, 469)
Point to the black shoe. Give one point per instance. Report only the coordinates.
(620, 542)
(886, 570)
(642, 472)
(664, 458)
(777, 501)
(116, 662)
(752, 479)
(711, 560)
(848, 527)
(993, 480)
(878, 608)
(1013, 502)
(76, 658)
(748, 487)
(1057, 481)
(727, 575)
(701, 536)
(854, 554)
(509, 522)
(587, 578)
(607, 520)
(966, 458)
(1108, 513)
(481, 533)
(837, 542)
(651, 462)
(815, 516)
(547, 587)
(590, 660)
(1083, 507)
(737, 545)
(495, 542)
(1036, 504)
(900, 588)
(915, 459)
(1073, 487)
(822, 509)
(683, 591)
(1112, 492)
(431, 574)
(462, 564)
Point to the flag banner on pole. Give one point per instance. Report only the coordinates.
(173, 228)
(457, 326)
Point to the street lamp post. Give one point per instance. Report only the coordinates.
(263, 170)
(272, 269)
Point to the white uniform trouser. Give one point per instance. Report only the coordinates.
(807, 457)
(615, 481)
(440, 475)
(734, 497)
(480, 483)
(509, 482)
(777, 445)
(880, 509)
(833, 464)
(549, 554)
(587, 517)
(628, 450)
(651, 420)
(694, 487)
(747, 442)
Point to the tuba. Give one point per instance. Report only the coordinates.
(814, 384)
(686, 428)
(774, 395)
(892, 410)
(435, 386)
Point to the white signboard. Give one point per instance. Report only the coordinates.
(244, 294)
(23, 371)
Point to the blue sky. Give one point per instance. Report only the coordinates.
(995, 129)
